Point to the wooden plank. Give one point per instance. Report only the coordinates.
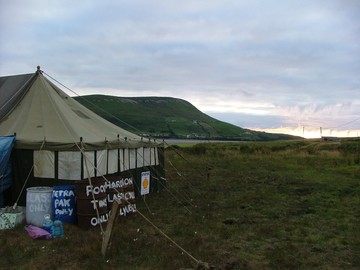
(109, 227)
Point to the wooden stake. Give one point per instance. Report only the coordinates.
(109, 227)
(208, 174)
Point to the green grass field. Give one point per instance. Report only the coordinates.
(278, 205)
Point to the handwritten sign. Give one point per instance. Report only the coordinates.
(127, 210)
(99, 203)
(121, 186)
(123, 182)
(96, 190)
(128, 196)
(103, 218)
(64, 205)
(38, 202)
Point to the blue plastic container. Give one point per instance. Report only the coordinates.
(64, 204)
(48, 224)
(58, 229)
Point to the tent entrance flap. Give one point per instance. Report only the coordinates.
(6, 145)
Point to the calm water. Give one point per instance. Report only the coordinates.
(180, 141)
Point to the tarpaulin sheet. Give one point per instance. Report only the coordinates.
(6, 145)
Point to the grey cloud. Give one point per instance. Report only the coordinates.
(295, 55)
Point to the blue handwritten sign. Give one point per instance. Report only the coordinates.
(64, 204)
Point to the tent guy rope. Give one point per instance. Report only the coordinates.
(81, 149)
(169, 238)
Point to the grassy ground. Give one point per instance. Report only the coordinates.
(279, 205)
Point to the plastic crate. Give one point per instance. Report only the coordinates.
(9, 217)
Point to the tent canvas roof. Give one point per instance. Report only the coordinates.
(36, 110)
(11, 90)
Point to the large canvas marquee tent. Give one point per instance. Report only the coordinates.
(59, 141)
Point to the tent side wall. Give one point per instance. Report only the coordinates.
(44, 168)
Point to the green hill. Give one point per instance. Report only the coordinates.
(165, 117)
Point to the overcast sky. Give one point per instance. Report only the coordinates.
(259, 64)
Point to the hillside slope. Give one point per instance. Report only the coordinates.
(166, 117)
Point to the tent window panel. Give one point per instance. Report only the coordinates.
(101, 158)
(140, 157)
(152, 156)
(132, 158)
(147, 156)
(124, 160)
(44, 164)
(69, 165)
(157, 156)
(89, 160)
(113, 161)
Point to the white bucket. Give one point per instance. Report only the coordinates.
(38, 204)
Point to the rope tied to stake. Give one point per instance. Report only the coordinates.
(168, 237)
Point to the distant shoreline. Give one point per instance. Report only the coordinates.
(192, 141)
